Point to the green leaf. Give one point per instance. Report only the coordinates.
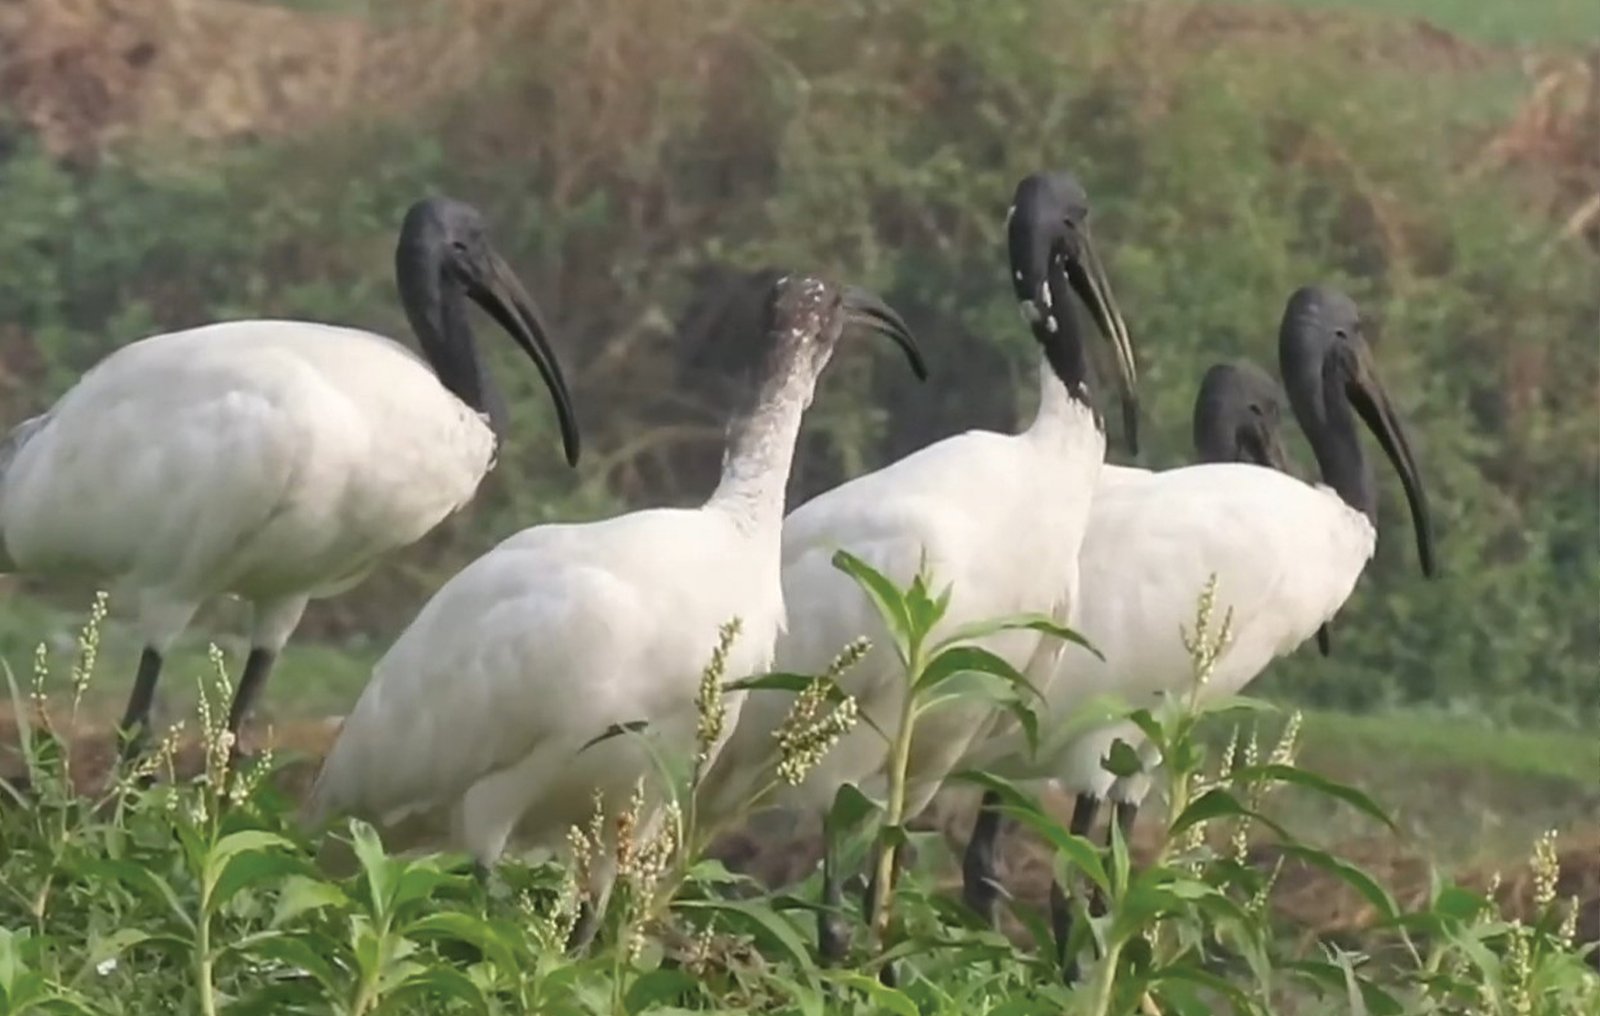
(102, 948)
(1348, 873)
(969, 659)
(144, 883)
(1042, 623)
(889, 601)
(659, 987)
(1238, 703)
(22, 720)
(474, 931)
(297, 951)
(1194, 975)
(1123, 760)
(1320, 784)
(241, 858)
(883, 999)
(1338, 977)
(776, 681)
(1219, 803)
(1082, 854)
(441, 982)
(302, 894)
(850, 809)
(418, 879)
(615, 730)
(923, 612)
(375, 864)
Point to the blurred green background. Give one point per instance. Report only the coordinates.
(1439, 159)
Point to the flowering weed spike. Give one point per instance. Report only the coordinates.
(88, 649)
(1546, 867)
(712, 711)
(1284, 751)
(1567, 933)
(41, 677)
(815, 724)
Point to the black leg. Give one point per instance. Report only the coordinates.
(980, 883)
(833, 929)
(256, 668)
(1084, 810)
(1125, 812)
(134, 731)
(1061, 928)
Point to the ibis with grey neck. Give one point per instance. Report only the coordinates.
(997, 517)
(485, 724)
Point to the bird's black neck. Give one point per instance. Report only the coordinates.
(1058, 333)
(1337, 446)
(439, 318)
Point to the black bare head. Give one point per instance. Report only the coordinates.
(444, 254)
(1052, 256)
(1238, 417)
(1328, 369)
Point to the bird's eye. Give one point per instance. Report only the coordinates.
(1255, 409)
(1340, 333)
(459, 246)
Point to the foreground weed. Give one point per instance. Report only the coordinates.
(200, 895)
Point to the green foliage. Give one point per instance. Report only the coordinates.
(205, 895)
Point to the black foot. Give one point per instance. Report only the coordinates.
(980, 882)
(133, 733)
(833, 927)
(1061, 928)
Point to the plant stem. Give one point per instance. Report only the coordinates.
(894, 816)
(1104, 980)
(202, 953)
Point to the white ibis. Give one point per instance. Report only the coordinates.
(1286, 554)
(277, 461)
(996, 516)
(471, 734)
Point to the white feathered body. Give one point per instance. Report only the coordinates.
(1286, 555)
(266, 459)
(996, 517)
(470, 730)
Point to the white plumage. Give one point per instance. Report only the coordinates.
(968, 506)
(471, 726)
(996, 517)
(277, 461)
(1286, 554)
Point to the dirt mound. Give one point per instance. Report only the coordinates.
(82, 74)
(1557, 129)
(1367, 39)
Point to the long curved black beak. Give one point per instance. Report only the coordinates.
(1088, 279)
(1259, 443)
(867, 309)
(1367, 395)
(501, 295)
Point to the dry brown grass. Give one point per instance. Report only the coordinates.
(83, 74)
